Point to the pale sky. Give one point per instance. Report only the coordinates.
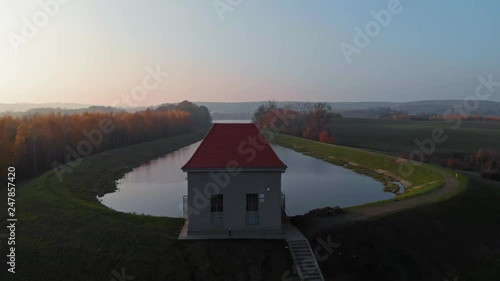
(96, 51)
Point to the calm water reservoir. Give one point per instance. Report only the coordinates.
(157, 187)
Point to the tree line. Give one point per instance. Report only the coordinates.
(39, 142)
(313, 121)
(484, 160)
(436, 117)
(308, 120)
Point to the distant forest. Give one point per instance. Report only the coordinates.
(416, 110)
(35, 143)
(373, 110)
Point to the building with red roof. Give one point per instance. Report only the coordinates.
(234, 184)
(226, 144)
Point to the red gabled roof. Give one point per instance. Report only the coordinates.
(243, 143)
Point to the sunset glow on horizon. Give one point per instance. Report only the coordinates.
(95, 52)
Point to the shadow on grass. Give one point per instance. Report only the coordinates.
(454, 238)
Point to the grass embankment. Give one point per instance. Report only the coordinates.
(385, 168)
(64, 233)
(453, 239)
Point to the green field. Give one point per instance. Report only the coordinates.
(398, 136)
(64, 233)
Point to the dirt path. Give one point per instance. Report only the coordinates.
(382, 209)
(315, 225)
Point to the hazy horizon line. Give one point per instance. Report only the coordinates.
(228, 102)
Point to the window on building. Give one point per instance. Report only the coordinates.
(217, 209)
(217, 203)
(252, 215)
(252, 202)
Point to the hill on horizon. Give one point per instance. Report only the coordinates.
(347, 109)
(351, 109)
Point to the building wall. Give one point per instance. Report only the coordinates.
(201, 185)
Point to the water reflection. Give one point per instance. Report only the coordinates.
(154, 188)
(310, 183)
(157, 187)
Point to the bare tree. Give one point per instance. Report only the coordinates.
(261, 113)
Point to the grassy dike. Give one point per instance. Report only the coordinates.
(384, 168)
(64, 233)
(452, 239)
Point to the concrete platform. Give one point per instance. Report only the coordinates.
(183, 235)
(300, 249)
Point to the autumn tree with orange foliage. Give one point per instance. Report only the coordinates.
(305, 120)
(309, 133)
(325, 137)
(34, 143)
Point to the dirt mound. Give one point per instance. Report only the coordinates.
(325, 212)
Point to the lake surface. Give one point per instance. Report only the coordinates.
(157, 187)
(154, 188)
(310, 183)
(232, 121)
